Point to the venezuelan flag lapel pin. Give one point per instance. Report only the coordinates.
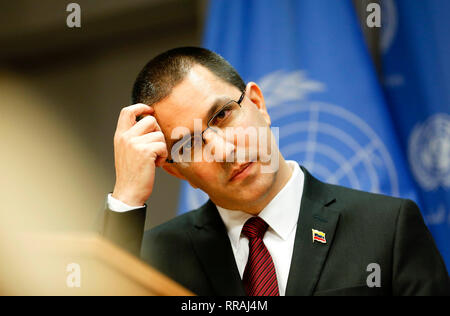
(319, 236)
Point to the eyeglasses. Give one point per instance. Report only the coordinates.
(226, 116)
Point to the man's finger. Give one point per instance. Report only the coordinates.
(146, 125)
(127, 117)
(156, 136)
(159, 148)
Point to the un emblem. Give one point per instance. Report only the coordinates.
(429, 152)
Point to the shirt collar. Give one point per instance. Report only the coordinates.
(281, 214)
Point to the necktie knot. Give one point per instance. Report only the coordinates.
(255, 227)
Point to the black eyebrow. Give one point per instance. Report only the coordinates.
(212, 110)
(220, 101)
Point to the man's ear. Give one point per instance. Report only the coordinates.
(171, 169)
(254, 93)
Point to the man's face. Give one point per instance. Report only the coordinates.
(193, 99)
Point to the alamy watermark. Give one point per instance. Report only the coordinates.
(374, 277)
(73, 279)
(374, 18)
(74, 17)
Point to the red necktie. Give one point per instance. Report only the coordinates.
(260, 278)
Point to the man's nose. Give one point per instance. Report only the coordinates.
(221, 148)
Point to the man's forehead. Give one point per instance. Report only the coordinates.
(191, 99)
(199, 84)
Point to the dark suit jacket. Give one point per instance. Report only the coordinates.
(361, 228)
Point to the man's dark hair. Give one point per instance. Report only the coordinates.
(161, 74)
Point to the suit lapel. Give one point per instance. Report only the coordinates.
(309, 257)
(212, 246)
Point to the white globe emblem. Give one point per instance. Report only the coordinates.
(429, 152)
(334, 144)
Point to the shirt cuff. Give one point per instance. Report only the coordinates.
(118, 206)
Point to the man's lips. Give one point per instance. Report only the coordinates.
(238, 170)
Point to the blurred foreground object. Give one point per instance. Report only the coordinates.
(50, 184)
(85, 264)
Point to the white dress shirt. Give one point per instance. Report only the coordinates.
(281, 214)
(118, 206)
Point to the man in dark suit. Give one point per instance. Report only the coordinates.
(269, 227)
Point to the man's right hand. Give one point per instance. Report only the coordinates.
(139, 147)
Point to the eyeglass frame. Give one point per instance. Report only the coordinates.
(238, 102)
